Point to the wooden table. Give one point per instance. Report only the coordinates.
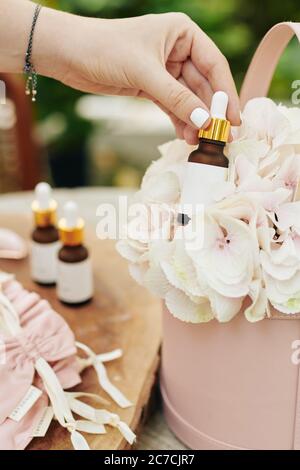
(155, 434)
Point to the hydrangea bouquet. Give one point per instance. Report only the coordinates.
(249, 262)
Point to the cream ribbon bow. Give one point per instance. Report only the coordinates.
(97, 362)
(100, 416)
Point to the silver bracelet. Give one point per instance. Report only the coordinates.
(29, 70)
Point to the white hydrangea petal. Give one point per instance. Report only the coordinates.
(181, 272)
(172, 153)
(252, 149)
(244, 168)
(268, 162)
(231, 290)
(255, 183)
(230, 262)
(264, 237)
(137, 245)
(162, 188)
(183, 308)
(175, 150)
(271, 201)
(263, 120)
(284, 253)
(288, 174)
(161, 250)
(289, 287)
(227, 268)
(292, 114)
(138, 271)
(288, 214)
(224, 308)
(291, 306)
(280, 292)
(278, 271)
(127, 251)
(257, 310)
(156, 281)
(223, 190)
(264, 233)
(238, 206)
(274, 295)
(292, 137)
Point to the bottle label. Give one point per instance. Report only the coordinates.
(75, 281)
(44, 261)
(199, 183)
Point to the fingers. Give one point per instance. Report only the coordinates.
(211, 63)
(189, 76)
(177, 123)
(196, 82)
(176, 98)
(190, 135)
(179, 126)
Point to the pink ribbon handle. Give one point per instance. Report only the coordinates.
(265, 59)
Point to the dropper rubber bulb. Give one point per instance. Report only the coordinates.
(219, 103)
(71, 214)
(43, 193)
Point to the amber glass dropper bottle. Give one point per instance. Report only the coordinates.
(44, 238)
(207, 165)
(74, 279)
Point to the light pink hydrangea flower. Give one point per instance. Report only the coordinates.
(250, 258)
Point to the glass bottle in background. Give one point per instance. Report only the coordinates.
(44, 239)
(74, 280)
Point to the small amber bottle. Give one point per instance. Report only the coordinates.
(44, 239)
(207, 165)
(74, 280)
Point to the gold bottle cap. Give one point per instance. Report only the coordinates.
(218, 129)
(44, 207)
(71, 236)
(44, 217)
(71, 227)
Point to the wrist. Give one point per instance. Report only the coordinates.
(52, 47)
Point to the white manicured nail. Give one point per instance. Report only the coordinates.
(199, 116)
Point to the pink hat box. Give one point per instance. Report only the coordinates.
(234, 385)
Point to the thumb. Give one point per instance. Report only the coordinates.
(178, 99)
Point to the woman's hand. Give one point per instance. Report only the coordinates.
(166, 58)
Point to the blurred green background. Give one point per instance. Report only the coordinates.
(84, 151)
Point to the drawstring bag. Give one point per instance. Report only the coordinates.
(231, 330)
(38, 362)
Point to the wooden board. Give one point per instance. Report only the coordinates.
(122, 315)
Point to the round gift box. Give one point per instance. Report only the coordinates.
(231, 385)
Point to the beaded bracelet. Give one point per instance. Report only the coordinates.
(29, 70)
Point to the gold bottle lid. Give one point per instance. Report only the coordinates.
(218, 129)
(44, 217)
(71, 227)
(71, 236)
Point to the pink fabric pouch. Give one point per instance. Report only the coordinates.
(39, 349)
(235, 385)
(44, 333)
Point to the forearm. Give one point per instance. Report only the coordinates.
(141, 56)
(49, 53)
